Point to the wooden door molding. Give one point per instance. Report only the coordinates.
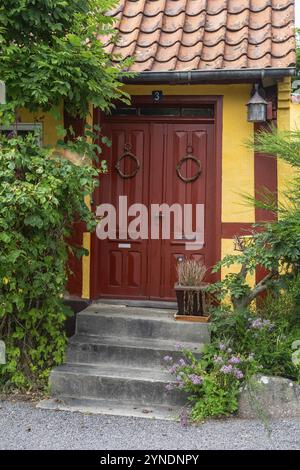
(158, 138)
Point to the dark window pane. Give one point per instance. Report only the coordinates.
(160, 111)
(124, 112)
(205, 112)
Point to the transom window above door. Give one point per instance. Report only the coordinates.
(206, 111)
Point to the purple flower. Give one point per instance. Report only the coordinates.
(169, 387)
(195, 379)
(168, 359)
(173, 369)
(226, 369)
(182, 362)
(234, 360)
(178, 346)
(11, 135)
(222, 347)
(238, 374)
(258, 324)
(218, 359)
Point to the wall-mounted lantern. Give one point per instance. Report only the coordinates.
(257, 107)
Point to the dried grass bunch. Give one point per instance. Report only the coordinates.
(191, 272)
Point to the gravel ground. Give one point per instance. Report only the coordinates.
(22, 426)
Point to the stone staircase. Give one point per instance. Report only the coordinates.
(115, 362)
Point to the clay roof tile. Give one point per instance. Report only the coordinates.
(165, 35)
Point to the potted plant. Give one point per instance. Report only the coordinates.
(191, 291)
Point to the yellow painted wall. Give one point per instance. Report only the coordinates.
(285, 117)
(49, 135)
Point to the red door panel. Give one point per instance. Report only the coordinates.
(193, 145)
(123, 262)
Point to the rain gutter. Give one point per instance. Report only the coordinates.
(209, 76)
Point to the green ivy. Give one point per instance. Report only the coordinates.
(40, 196)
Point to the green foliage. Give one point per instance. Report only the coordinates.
(267, 337)
(244, 343)
(274, 246)
(212, 382)
(50, 51)
(40, 196)
(50, 54)
(264, 335)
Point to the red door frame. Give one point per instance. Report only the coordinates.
(172, 100)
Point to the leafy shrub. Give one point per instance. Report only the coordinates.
(40, 196)
(269, 341)
(213, 382)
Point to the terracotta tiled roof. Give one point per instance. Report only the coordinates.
(166, 35)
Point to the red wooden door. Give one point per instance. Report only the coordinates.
(147, 268)
(193, 146)
(122, 264)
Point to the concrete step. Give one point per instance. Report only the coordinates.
(142, 387)
(114, 361)
(134, 352)
(112, 407)
(130, 322)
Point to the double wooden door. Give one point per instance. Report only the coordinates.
(154, 163)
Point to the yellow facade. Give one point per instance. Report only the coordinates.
(237, 158)
(49, 123)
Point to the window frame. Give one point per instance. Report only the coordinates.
(26, 126)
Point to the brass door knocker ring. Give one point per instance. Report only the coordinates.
(129, 154)
(192, 178)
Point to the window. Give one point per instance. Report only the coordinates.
(25, 129)
(206, 111)
(160, 111)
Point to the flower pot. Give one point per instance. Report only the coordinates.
(192, 303)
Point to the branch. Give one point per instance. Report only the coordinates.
(261, 286)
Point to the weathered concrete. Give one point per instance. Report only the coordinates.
(123, 351)
(132, 322)
(271, 397)
(114, 362)
(108, 381)
(2, 353)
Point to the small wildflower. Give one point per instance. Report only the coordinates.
(173, 369)
(182, 362)
(5, 280)
(168, 359)
(218, 359)
(258, 324)
(169, 387)
(222, 347)
(238, 374)
(234, 360)
(226, 369)
(178, 347)
(195, 379)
